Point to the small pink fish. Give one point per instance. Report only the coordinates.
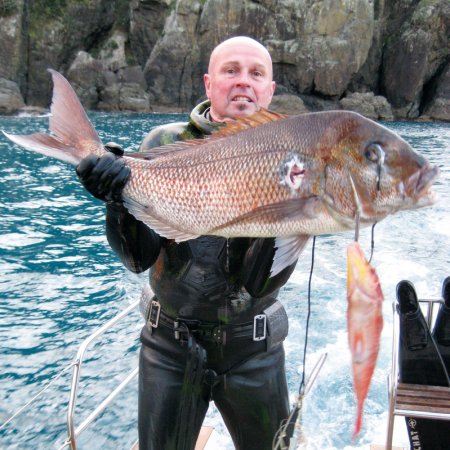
(364, 321)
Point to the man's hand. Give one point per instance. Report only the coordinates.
(105, 177)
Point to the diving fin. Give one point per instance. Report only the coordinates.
(441, 331)
(420, 363)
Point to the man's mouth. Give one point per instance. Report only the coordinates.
(241, 98)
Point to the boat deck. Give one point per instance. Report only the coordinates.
(429, 399)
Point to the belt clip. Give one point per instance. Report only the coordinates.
(179, 329)
(153, 316)
(259, 327)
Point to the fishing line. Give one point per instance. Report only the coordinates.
(381, 156)
(285, 432)
(302, 384)
(372, 241)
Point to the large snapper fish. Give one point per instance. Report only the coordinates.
(264, 176)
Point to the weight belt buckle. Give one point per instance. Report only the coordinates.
(153, 316)
(259, 327)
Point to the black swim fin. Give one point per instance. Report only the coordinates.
(441, 331)
(420, 363)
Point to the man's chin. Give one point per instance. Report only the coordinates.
(243, 109)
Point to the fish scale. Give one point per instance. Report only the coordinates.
(252, 185)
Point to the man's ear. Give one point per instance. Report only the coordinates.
(274, 85)
(272, 90)
(207, 83)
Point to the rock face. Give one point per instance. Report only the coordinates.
(57, 30)
(144, 55)
(172, 69)
(439, 106)
(414, 54)
(288, 104)
(10, 97)
(12, 48)
(86, 76)
(369, 105)
(326, 47)
(147, 19)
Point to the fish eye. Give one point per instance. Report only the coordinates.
(373, 152)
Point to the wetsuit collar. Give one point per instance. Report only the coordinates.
(201, 118)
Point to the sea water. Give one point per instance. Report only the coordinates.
(60, 281)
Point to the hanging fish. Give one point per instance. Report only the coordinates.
(263, 176)
(364, 322)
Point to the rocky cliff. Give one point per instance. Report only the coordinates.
(383, 58)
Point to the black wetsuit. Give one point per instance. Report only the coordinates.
(216, 282)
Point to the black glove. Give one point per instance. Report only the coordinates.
(105, 177)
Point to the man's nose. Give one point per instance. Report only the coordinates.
(243, 79)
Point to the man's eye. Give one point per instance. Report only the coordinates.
(231, 71)
(257, 74)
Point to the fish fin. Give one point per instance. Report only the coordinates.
(46, 145)
(298, 208)
(228, 129)
(146, 215)
(74, 136)
(244, 123)
(167, 149)
(69, 121)
(288, 250)
(358, 421)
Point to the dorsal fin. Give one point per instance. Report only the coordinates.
(167, 149)
(243, 123)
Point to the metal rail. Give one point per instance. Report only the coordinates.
(280, 436)
(35, 397)
(73, 432)
(393, 377)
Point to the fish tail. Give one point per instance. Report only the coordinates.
(358, 422)
(73, 136)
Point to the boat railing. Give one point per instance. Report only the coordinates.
(411, 400)
(73, 432)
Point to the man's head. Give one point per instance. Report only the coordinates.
(239, 78)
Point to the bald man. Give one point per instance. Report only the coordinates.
(239, 82)
(214, 329)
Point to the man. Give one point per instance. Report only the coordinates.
(215, 329)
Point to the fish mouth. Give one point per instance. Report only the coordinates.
(418, 186)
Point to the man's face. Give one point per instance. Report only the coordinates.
(239, 81)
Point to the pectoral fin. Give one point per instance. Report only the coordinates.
(145, 214)
(287, 252)
(295, 208)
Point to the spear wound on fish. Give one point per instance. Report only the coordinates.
(292, 172)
